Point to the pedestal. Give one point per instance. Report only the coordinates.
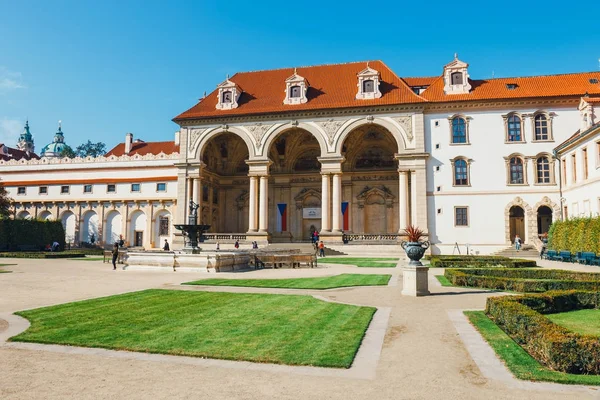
(415, 281)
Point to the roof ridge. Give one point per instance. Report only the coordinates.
(537, 76)
(404, 83)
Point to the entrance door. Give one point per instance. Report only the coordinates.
(544, 219)
(309, 226)
(139, 239)
(517, 223)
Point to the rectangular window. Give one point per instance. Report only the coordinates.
(163, 226)
(564, 171)
(87, 188)
(585, 163)
(597, 154)
(161, 187)
(43, 189)
(461, 216)
(204, 193)
(574, 167)
(64, 189)
(135, 187)
(21, 190)
(111, 188)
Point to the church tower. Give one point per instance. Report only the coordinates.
(25, 142)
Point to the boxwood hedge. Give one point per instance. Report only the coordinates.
(522, 318)
(31, 233)
(576, 234)
(479, 261)
(523, 280)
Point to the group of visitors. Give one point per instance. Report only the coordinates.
(543, 238)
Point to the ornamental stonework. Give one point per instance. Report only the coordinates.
(331, 127)
(406, 124)
(195, 137)
(258, 131)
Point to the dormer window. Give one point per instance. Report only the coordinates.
(588, 113)
(456, 77)
(511, 86)
(228, 95)
(295, 89)
(368, 84)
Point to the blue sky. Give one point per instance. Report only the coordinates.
(106, 68)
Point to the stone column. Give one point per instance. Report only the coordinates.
(403, 201)
(325, 203)
(252, 204)
(263, 215)
(196, 189)
(413, 198)
(199, 199)
(337, 203)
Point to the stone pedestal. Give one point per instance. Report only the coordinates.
(415, 281)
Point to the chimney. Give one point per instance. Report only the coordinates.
(177, 137)
(128, 143)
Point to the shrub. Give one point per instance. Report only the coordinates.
(577, 234)
(480, 261)
(40, 254)
(523, 280)
(31, 233)
(521, 317)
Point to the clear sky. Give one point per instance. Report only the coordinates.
(107, 67)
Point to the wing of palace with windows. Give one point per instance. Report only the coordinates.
(353, 151)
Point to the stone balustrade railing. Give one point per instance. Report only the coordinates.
(372, 237)
(224, 237)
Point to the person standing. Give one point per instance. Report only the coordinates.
(237, 244)
(217, 247)
(166, 247)
(517, 242)
(321, 249)
(115, 255)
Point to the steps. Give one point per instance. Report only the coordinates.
(526, 251)
(304, 247)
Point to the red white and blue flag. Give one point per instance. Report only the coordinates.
(281, 217)
(345, 214)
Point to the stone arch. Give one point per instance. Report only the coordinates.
(529, 220)
(113, 227)
(23, 215)
(209, 134)
(277, 130)
(375, 205)
(555, 208)
(90, 225)
(69, 221)
(398, 132)
(159, 237)
(138, 224)
(45, 215)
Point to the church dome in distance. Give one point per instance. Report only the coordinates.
(55, 148)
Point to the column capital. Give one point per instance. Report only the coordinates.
(258, 167)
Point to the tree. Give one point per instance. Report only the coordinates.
(4, 203)
(68, 152)
(91, 149)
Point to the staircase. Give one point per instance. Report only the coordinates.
(303, 247)
(527, 250)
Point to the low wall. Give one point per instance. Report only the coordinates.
(204, 262)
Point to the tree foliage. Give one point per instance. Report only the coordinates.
(68, 152)
(4, 202)
(576, 234)
(90, 149)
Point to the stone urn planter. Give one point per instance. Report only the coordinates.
(414, 275)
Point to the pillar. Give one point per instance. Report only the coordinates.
(263, 214)
(198, 189)
(252, 204)
(403, 201)
(413, 198)
(325, 204)
(337, 203)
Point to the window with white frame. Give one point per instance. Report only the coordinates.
(459, 130)
(543, 170)
(87, 188)
(43, 190)
(64, 189)
(135, 187)
(161, 187)
(461, 172)
(368, 84)
(542, 127)
(514, 128)
(111, 188)
(21, 190)
(295, 89)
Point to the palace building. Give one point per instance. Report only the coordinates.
(352, 150)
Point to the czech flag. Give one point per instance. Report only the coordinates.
(281, 217)
(345, 214)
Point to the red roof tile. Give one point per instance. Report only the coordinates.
(143, 148)
(526, 87)
(331, 86)
(16, 154)
(420, 80)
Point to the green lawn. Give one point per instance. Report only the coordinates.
(443, 280)
(368, 262)
(585, 322)
(282, 329)
(518, 361)
(3, 270)
(326, 282)
(88, 258)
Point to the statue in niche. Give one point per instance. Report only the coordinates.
(193, 209)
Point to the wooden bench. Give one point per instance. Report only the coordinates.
(587, 258)
(550, 255)
(565, 256)
(120, 258)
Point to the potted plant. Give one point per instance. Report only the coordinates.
(414, 248)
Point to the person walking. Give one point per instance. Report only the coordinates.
(517, 242)
(218, 247)
(544, 245)
(166, 247)
(321, 249)
(237, 244)
(115, 255)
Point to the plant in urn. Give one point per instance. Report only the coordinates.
(413, 247)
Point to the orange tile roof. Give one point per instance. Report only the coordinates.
(527, 87)
(576, 136)
(592, 100)
(331, 86)
(143, 148)
(420, 80)
(16, 154)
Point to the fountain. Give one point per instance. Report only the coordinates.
(192, 231)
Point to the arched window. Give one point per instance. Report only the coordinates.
(516, 171)
(456, 78)
(459, 130)
(295, 91)
(543, 170)
(368, 86)
(541, 127)
(514, 129)
(226, 97)
(461, 173)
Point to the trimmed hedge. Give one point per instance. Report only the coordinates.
(480, 261)
(554, 346)
(523, 280)
(41, 254)
(33, 233)
(576, 234)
